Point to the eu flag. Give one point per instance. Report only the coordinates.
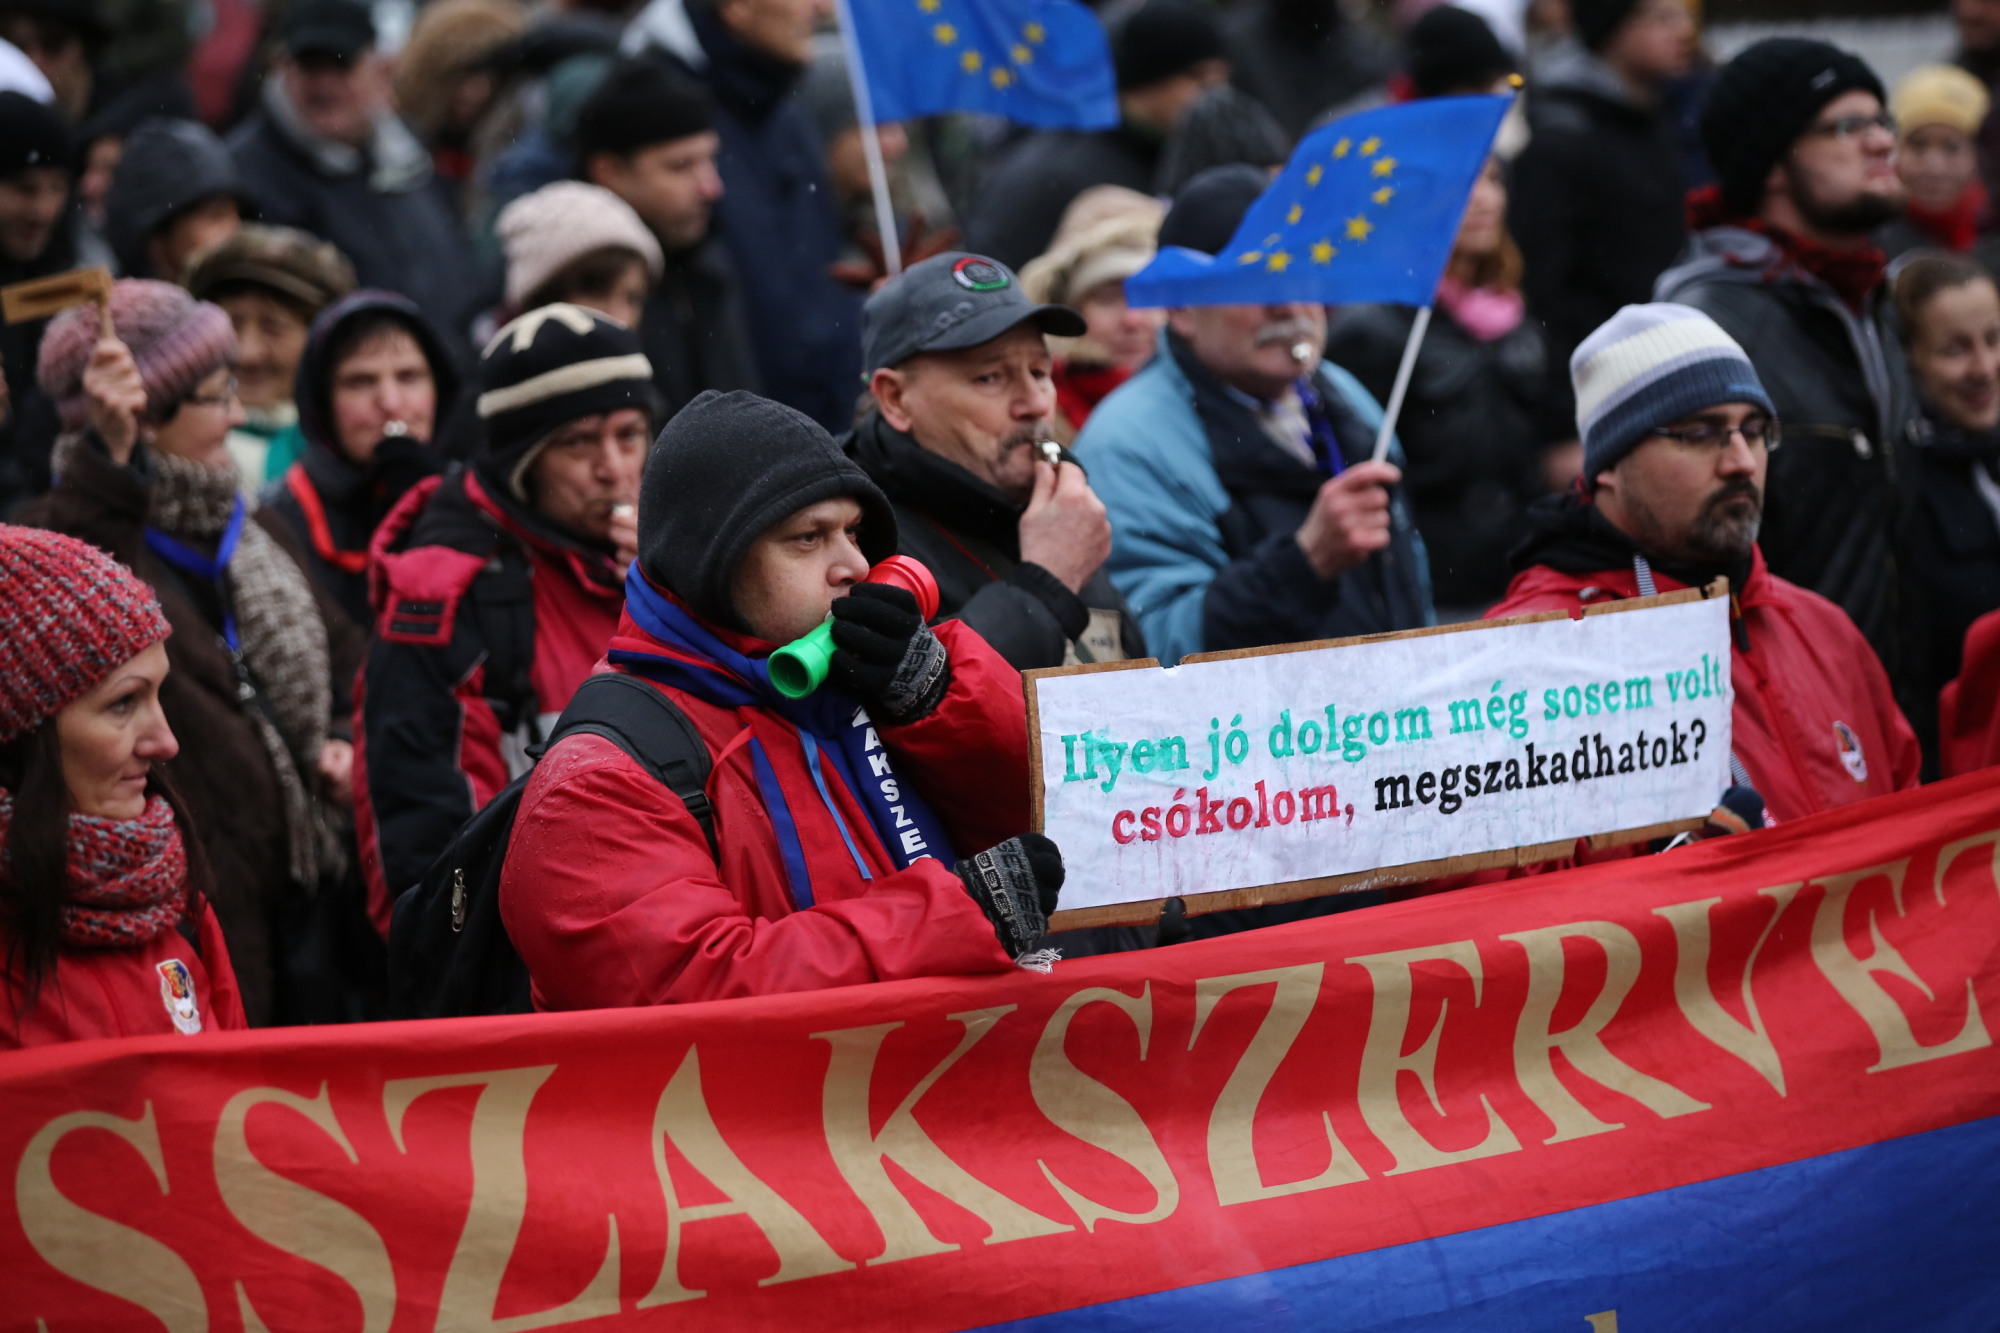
(1366, 210)
(1039, 62)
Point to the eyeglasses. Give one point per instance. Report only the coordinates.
(1848, 127)
(223, 399)
(1758, 432)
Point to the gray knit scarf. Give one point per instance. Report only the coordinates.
(283, 638)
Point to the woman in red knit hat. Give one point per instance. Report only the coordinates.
(104, 931)
(262, 660)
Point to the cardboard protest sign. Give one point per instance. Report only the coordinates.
(1271, 774)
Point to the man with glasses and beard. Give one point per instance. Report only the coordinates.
(1236, 467)
(962, 391)
(1783, 260)
(1678, 433)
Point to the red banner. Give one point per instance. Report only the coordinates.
(950, 1153)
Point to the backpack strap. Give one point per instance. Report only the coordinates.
(502, 599)
(643, 722)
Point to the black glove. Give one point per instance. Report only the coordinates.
(885, 656)
(1740, 810)
(1015, 884)
(1173, 927)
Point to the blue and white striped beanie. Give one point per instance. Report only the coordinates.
(1649, 365)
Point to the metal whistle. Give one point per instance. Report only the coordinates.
(1051, 451)
(1302, 351)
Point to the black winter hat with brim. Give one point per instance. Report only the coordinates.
(1761, 101)
(727, 467)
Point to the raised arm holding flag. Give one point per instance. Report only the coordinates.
(1366, 210)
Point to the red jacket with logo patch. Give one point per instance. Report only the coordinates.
(486, 622)
(612, 897)
(1801, 672)
(1969, 707)
(136, 992)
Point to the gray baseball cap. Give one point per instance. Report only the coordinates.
(950, 302)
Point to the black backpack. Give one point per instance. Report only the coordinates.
(449, 955)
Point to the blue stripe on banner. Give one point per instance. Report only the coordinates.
(1901, 1236)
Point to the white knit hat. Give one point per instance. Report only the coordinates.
(544, 232)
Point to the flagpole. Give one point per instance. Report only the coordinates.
(1401, 387)
(871, 145)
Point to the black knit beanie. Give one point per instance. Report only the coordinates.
(1453, 50)
(641, 102)
(1597, 21)
(726, 468)
(1209, 208)
(1164, 38)
(32, 135)
(546, 369)
(1761, 102)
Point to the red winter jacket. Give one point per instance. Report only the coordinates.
(1969, 707)
(1815, 723)
(467, 590)
(611, 895)
(171, 984)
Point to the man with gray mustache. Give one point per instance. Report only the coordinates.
(1237, 467)
(1677, 434)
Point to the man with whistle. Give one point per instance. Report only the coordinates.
(836, 836)
(957, 435)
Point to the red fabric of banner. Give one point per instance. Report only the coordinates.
(949, 1153)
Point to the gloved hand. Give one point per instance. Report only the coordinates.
(1016, 885)
(885, 656)
(1740, 810)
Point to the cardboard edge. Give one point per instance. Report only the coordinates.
(1147, 911)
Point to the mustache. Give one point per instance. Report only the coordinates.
(1731, 489)
(1286, 331)
(1024, 437)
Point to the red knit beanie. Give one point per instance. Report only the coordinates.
(175, 340)
(70, 615)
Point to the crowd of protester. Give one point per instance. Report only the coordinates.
(558, 342)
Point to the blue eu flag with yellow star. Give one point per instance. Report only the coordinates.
(1039, 62)
(1366, 210)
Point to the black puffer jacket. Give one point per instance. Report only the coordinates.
(1033, 181)
(167, 167)
(1834, 498)
(1953, 554)
(1595, 203)
(966, 533)
(1303, 57)
(1471, 431)
(332, 504)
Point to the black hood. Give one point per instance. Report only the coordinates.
(912, 475)
(1568, 533)
(313, 390)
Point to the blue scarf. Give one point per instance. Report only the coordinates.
(209, 569)
(834, 732)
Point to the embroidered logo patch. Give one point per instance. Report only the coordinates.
(177, 993)
(979, 275)
(1850, 751)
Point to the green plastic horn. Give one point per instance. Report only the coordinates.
(800, 667)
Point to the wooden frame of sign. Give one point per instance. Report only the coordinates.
(1148, 911)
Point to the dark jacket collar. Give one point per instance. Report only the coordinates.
(1570, 534)
(743, 78)
(912, 475)
(1942, 439)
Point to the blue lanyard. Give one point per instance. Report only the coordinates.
(190, 561)
(1324, 442)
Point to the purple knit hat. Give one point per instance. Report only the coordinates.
(70, 615)
(176, 341)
